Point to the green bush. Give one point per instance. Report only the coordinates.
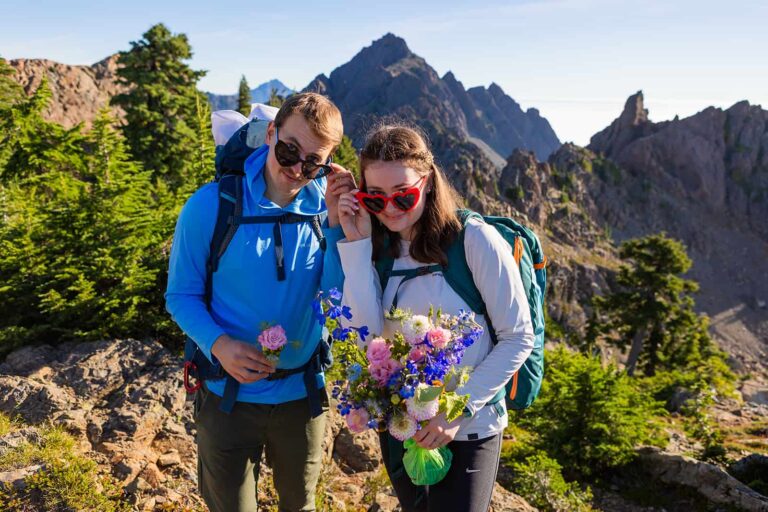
(540, 481)
(589, 417)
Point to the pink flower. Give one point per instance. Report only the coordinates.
(417, 354)
(378, 351)
(382, 371)
(357, 420)
(439, 337)
(272, 338)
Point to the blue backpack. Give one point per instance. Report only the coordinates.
(524, 386)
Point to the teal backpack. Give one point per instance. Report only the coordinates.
(524, 386)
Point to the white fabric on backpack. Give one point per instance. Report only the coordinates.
(263, 112)
(224, 123)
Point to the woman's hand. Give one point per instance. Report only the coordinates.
(355, 221)
(339, 182)
(438, 432)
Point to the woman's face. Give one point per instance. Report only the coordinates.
(388, 178)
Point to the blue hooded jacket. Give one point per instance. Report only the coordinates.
(246, 292)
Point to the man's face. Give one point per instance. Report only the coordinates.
(288, 181)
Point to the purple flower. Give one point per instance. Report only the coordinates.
(335, 294)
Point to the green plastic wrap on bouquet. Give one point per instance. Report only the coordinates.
(426, 467)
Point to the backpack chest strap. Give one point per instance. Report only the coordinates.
(277, 232)
(408, 274)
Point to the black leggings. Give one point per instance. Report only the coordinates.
(467, 487)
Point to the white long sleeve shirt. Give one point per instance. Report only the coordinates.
(496, 276)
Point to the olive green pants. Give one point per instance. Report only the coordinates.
(230, 446)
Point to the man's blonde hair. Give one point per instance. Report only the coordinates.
(322, 116)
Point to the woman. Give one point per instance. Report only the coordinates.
(408, 211)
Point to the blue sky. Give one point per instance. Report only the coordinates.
(574, 60)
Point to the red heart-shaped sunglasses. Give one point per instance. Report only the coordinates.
(404, 201)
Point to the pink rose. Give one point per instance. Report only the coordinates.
(357, 420)
(378, 351)
(272, 338)
(417, 354)
(439, 337)
(382, 371)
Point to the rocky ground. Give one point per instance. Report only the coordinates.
(124, 403)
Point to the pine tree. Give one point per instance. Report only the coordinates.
(28, 143)
(82, 247)
(10, 91)
(244, 97)
(653, 312)
(160, 102)
(275, 100)
(346, 156)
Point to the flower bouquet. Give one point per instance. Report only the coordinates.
(399, 384)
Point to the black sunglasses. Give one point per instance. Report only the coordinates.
(287, 155)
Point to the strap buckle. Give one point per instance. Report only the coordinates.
(188, 386)
(423, 271)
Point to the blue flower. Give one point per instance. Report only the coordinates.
(341, 333)
(335, 294)
(354, 371)
(346, 312)
(334, 312)
(373, 424)
(394, 379)
(407, 391)
(317, 310)
(362, 331)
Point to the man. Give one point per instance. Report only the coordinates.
(269, 274)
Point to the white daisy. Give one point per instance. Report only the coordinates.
(402, 426)
(415, 328)
(421, 411)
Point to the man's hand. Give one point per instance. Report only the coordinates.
(242, 361)
(339, 182)
(438, 432)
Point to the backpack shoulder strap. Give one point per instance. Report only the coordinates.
(230, 208)
(457, 273)
(384, 266)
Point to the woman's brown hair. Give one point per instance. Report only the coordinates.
(439, 224)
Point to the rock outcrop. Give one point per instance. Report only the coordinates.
(711, 482)
(79, 92)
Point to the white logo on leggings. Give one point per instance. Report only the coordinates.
(472, 470)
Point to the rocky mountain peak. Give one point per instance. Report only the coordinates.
(385, 51)
(634, 112)
(632, 124)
